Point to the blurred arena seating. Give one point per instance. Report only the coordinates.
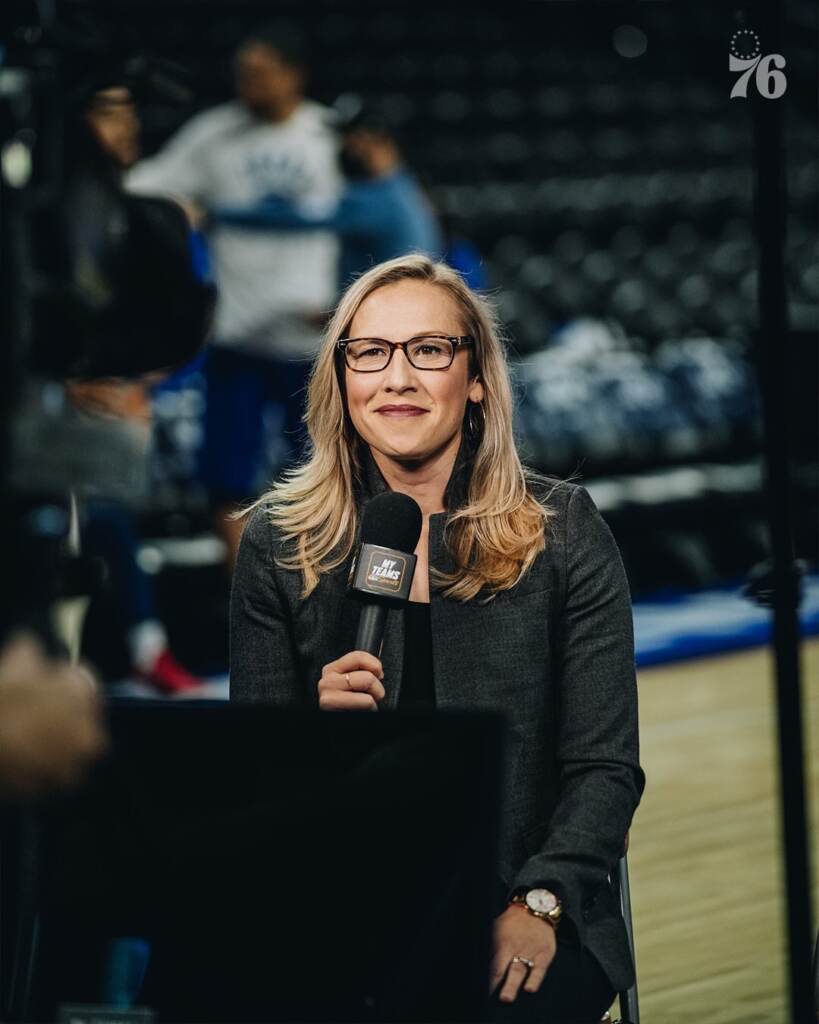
(611, 200)
(592, 185)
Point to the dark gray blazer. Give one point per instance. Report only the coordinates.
(555, 654)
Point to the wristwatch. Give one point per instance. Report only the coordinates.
(541, 903)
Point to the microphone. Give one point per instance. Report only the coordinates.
(381, 574)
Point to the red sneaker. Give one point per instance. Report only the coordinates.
(167, 675)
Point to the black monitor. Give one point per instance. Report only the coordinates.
(271, 865)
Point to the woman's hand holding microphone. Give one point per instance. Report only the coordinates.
(352, 683)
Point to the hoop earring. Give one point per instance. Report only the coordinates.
(475, 430)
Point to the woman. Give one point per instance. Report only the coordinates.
(519, 603)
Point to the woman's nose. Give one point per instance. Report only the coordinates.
(399, 373)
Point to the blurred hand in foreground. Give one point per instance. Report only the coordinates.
(50, 720)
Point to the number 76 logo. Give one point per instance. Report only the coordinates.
(769, 78)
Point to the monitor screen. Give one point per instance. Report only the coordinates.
(247, 863)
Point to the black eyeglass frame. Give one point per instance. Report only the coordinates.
(457, 341)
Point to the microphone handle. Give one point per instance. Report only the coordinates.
(371, 628)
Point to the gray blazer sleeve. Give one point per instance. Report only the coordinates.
(597, 746)
(263, 666)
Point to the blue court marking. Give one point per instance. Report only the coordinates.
(670, 627)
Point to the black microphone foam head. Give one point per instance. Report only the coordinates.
(392, 520)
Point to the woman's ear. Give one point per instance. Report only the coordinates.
(475, 393)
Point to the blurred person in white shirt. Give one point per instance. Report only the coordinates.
(274, 288)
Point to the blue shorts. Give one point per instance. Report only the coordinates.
(240, 389)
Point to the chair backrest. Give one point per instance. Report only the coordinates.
(629, 1003)
(816, 977)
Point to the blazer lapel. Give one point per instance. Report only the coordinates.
(452, 684)
(392, 657)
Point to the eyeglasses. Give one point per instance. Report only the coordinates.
(424, 352)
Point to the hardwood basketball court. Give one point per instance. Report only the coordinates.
(705, 857)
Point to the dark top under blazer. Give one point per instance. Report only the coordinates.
(555, 654)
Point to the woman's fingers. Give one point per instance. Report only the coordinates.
(363, 682)
(346, 700)
(352, 682)
(519, 976)
(497, 971)
(536, 975)
(519, 934)
(353, 661)
(515, 977)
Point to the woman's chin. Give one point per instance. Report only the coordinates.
(403, 447)
(406, 453)
(410, 454)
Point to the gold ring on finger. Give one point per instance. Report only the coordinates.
(347, 677)
(518, 959)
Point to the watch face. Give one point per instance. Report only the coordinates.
(541, 900)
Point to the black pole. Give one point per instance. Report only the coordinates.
(772, 367)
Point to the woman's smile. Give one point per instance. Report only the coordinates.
(400, 411)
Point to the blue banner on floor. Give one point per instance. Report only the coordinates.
(677, 626)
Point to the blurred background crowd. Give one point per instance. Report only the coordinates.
(592, 174)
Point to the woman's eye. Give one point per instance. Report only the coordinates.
(369, 352)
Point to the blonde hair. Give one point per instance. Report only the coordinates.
(494, 538)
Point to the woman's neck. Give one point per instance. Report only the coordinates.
(425, 482)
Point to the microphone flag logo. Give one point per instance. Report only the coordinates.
(385, 571)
